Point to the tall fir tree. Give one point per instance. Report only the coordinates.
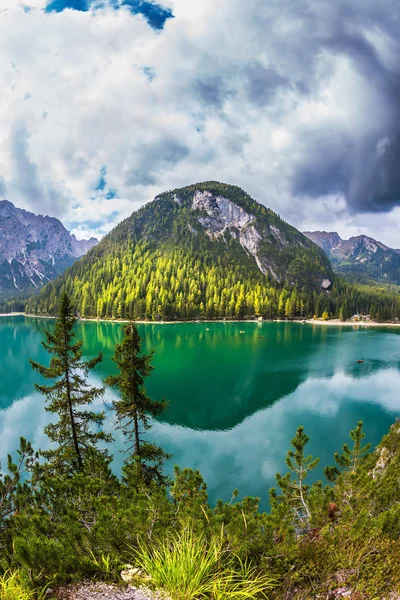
(78, 429)
(134, 408)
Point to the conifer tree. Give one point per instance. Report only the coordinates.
(294, 490)
(350, 457)
(134, 408)
(78, 428)
(13, 490)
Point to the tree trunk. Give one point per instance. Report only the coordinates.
(71, 414)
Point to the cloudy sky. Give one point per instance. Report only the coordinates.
(106, 103)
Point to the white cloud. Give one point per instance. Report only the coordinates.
(277, 101)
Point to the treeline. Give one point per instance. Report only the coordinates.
(65, 516)
(11, 302)
(142, 283)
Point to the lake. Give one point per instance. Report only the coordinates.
(235, 398)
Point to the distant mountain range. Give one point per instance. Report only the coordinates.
(360, 258)
(34, 249)
(206, 250)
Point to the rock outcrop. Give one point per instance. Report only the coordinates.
(220, 216)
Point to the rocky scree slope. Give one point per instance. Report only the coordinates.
(34, 249)
(192, 231)
(360, 258)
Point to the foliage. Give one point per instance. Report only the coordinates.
(69, 393)
(350, 457)
(189, 566)
(295, 491)
(161, 264)
(61, 525)
(14, 587)
(134, 408)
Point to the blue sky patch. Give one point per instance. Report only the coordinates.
(111, 194)
(149, 72)
(102, 186)
(155, 14)
(60, 5)
(102, 180)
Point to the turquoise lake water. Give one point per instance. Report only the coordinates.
(235, 398)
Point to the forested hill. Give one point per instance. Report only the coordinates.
(206, 250)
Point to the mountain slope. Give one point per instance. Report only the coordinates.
(203, 250)
(34, 249)
(360, 258)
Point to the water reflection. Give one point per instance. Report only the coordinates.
(235, 399)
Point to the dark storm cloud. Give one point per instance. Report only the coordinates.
(327, 165)
(375, 184)
(359, 161)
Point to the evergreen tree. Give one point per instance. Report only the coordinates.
(134, 408)
(13, 490)
(350, 457)
(295, 491)
(78, 428)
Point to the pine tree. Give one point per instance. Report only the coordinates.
(78, 428)
(134, 408)
(349, 458)
(13, 490)
(295, 491)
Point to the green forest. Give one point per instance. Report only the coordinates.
(65, 516)
(139, 285)
(159, 264)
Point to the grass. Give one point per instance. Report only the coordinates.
(188, 567)
(13, 587)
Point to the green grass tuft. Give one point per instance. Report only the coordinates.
(189, 567)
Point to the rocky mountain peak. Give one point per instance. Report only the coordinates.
(360, 256)
(34, 248)
(327, 240)
(226, 212)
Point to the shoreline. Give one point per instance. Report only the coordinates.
(337, 323)
(319, 322)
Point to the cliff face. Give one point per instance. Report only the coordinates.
(34, 249)
(262, 235)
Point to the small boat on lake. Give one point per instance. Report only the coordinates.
(360, 360)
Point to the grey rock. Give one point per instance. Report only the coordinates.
(224, 216)
(34, 249)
